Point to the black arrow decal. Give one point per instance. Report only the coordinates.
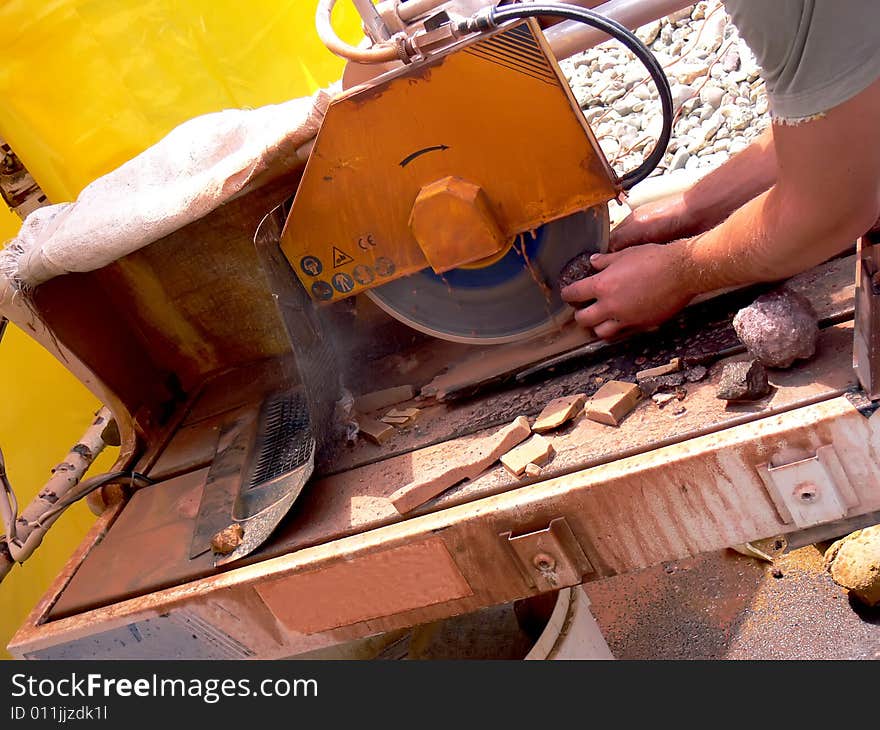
(436, 148)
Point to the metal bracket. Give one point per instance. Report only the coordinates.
(866, 333)
(811, 491)
(550, 558)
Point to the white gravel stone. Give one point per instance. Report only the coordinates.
(683, 14)
(718, 96)
(679, 160)
(712, 95)
(682, 93)
(648, 33)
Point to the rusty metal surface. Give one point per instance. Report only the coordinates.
(356, 501)
(663, 505)
(637, 509)
(725, 606)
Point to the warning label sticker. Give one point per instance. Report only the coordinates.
(340, 258)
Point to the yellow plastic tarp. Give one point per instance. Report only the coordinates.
(84, 86)
(87, 84)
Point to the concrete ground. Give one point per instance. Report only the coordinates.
(727, 606)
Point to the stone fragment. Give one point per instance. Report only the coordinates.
(537, 450)
(394, 420)
(679, 15)
(400, 416)
(650, 386)
(713, 32)
(533, 470)
(403, 412)
(613, 402)
(374, 430)
(679, 160)
(370, 402)
(712, 96)
(695, 374)
(687, 73)
(682, 93)
(575, 270)
(558, 412)
(743, 381)
(778, 328)
(854, 564)
(472, 459)
(730, 61)
(227, 539)
(648, 33)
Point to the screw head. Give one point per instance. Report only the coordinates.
(807, 492)
(544, 562)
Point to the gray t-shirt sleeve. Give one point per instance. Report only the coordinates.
(814, 54)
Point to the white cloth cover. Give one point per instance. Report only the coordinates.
(197, 167)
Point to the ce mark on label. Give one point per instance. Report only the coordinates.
(365, 243)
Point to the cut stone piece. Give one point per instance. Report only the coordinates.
(661, 399)
(400, 417)
(370, 402)
(374, 431)
(559, 411)
(673, 366)
(403, 412)
(472, 459)
(537, 450)
(613, 402)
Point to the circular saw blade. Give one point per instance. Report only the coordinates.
(513, 299)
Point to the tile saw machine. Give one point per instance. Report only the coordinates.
(456, 175)
(456, 220)
(457, 227)
(450, 182)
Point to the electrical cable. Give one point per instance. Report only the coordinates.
(86, 487)
(492, 17)
(379, 53)
(46, 519)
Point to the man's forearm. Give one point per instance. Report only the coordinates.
(706, 204)
(742, 178)
(772, 237)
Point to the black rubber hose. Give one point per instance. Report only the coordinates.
(492, 17)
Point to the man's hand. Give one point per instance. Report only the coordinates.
(660, 221)
(634, 289)
(827, 194)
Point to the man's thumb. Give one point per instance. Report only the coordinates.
(600, 260)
